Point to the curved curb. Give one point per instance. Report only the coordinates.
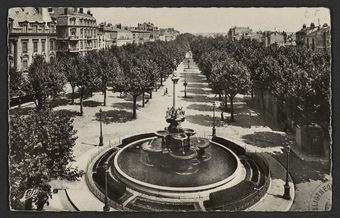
(176, 189)
(292, 191)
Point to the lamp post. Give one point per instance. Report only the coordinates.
(106, 207)
(174, 79)
(214, 129)
(185, 87)
(286, 194)
(101, 128)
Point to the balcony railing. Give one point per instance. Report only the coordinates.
(73, 38)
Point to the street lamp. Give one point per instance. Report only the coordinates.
(101, 128)
(286, 194)
(106, 207)
(214, 129)
(174, 79)
(185, 87)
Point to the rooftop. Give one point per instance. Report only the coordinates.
(28, 14)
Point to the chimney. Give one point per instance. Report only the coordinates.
(65, 10)
(312, 25)
(88, 12)
(81, 10)
(39, 10)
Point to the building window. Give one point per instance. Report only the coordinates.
(73, 32)
(35, 45)
(51, 45)
(24, 47)
(313, 44)
(43, 45)
(81, 32)
(52, 59)
(81, 45)
(25, 64)
(307, 43)
(72, 21)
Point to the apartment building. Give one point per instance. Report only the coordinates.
(237, 33)
(168, 34)
(314, 37)
(31, 31)
(76, 30)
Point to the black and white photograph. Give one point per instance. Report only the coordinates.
(181, 109)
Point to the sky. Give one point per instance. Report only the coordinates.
(219, 20)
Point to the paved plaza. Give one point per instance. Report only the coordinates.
(250, 130)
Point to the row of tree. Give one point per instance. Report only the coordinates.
(41, 143)
(297, 77)
(132, 69)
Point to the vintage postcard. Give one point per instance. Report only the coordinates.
(169, 109)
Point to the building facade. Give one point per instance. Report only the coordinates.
(31, 31)
(237, 33)
(168, 34)
(278, 38)
(77, 31)
(108, 34)
(122, 35)
(314, 37)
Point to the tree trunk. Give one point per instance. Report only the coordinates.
(40, 102)
(134, 109)
(263, 103)
(219, 96)
(161, 80)
(81, 100)
(143, 99)
(104, 91)
(252, 94)
(225, 102)
(72, 95)
(150, 94)
(231, 109)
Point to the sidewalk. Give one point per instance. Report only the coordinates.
(273, 201)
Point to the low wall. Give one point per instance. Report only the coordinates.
(238, 150)
(133, 138)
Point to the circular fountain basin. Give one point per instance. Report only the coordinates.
(161, 133)
(127, 167)
(189, 132)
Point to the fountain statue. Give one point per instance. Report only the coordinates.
(174, 144)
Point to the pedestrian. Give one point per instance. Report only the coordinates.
(222, 117)
(166, 91)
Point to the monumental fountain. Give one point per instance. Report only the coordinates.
(174, 169)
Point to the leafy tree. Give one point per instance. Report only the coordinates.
(263, 75)
(17, 83)
(106, 67)
(234, 78)
(40, 151)
(69, 67)
(86, 78)
(44, 80)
